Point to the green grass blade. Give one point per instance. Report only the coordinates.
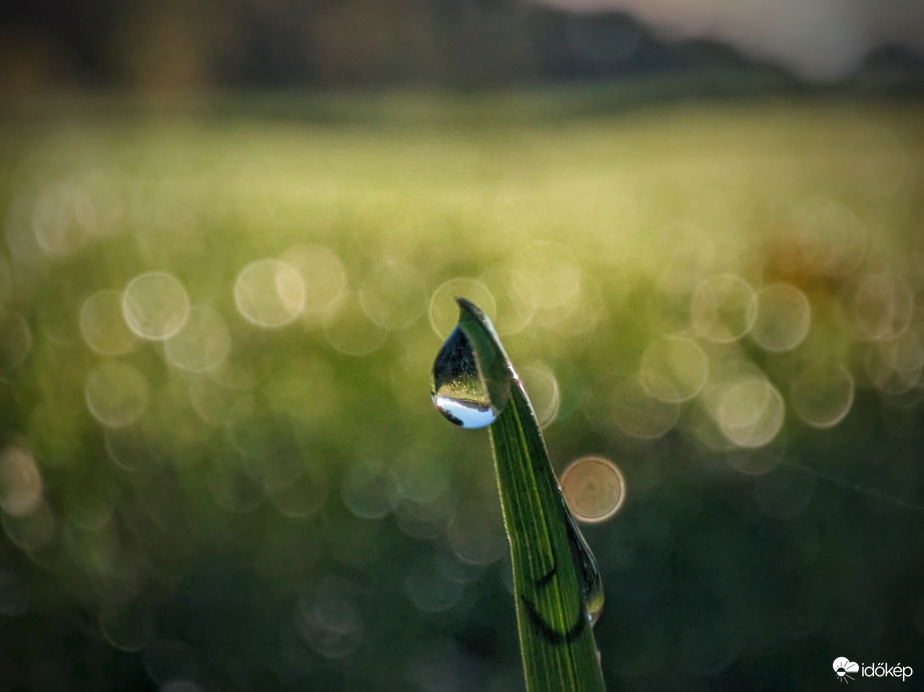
(553, 572)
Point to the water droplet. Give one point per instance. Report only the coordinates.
(588, 573)
(458, 390)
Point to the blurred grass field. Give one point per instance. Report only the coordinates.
(221, 466)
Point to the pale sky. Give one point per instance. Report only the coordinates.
(818, 39)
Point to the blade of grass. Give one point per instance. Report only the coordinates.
(552, 568)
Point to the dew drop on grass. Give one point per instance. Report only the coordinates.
(588, 572)
(457, 389)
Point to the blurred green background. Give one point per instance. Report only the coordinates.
(232, 236)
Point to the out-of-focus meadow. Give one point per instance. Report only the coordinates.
(221, 468)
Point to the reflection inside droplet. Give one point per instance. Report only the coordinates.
(458, 389)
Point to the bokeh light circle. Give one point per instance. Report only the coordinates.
(544, 393)
(351, 332)
(202, 344)
(903, 353)
(393, 295)
(883, 306)
(594, 489)
(750, 412)
(62, 218)
(639, 414)
(674, 369)
(20, 481)
(823, 395)
(33, 531)
(116, 394)
(783, 318)
(444, 311)
(269, 293)
(476, 532)
(323, 275)
(546, 275)
(15, 342)
(126, 628)
(723, 308)
(155, 305)
(103, 325)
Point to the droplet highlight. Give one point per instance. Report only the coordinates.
(458, 390)
(588, 572)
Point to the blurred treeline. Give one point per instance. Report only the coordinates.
(179, 46)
